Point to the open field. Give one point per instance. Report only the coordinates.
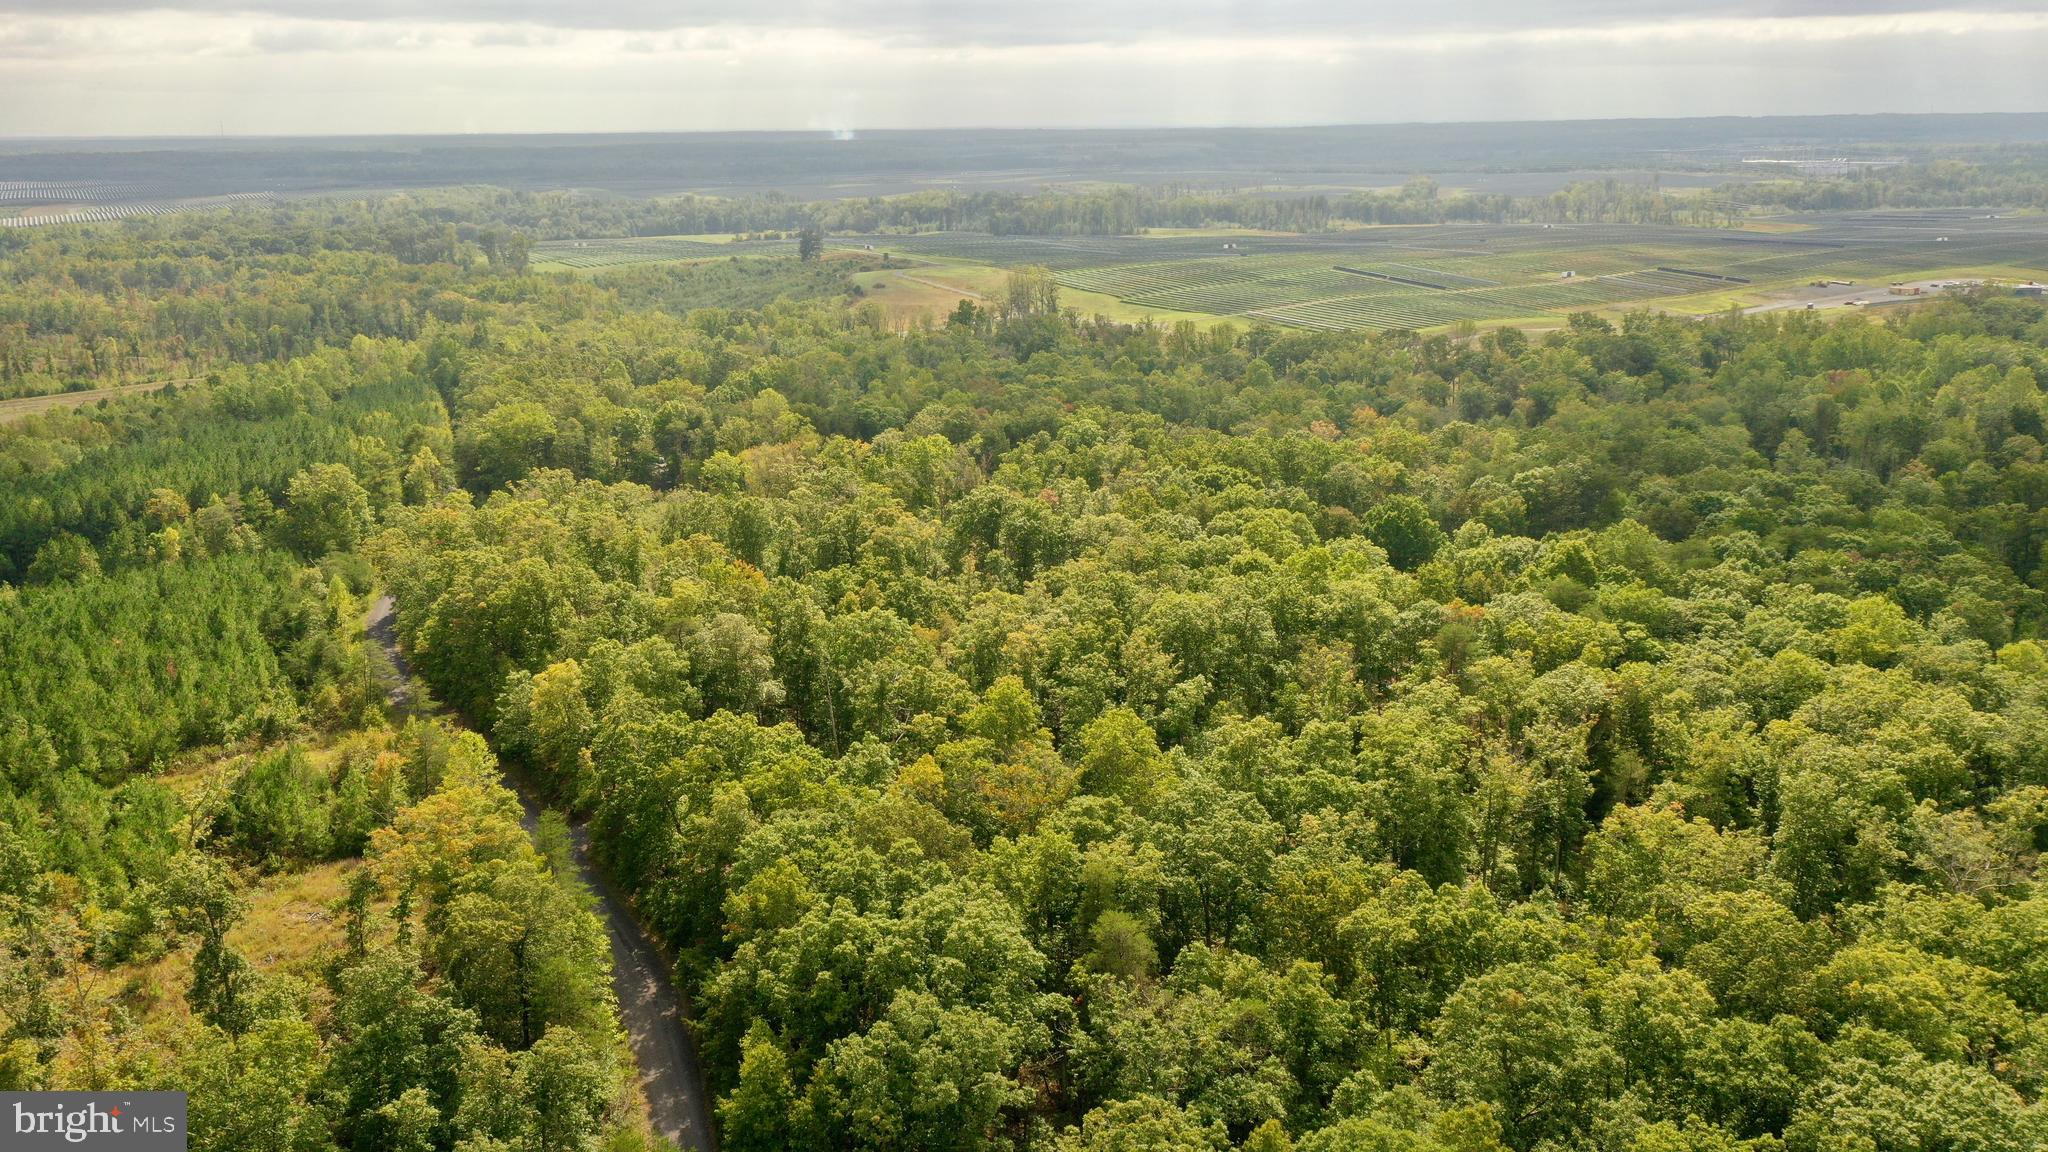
(1416, 277)
(586, 255)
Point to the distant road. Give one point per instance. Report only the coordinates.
(649, 1005)
(15, 409)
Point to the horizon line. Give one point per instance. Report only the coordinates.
(857, 130)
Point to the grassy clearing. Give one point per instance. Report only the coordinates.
(703, 237)
(1124, 312)
(291, 927)
(596, 255)
(911, 297)
(932, 288)
(288, 934)
(2013, 272)
(1773, 227)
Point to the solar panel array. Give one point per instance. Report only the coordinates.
(1428, 276)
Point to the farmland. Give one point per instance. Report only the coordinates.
(1425, 276)
(1432, 276)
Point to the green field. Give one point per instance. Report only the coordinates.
(1430, 277)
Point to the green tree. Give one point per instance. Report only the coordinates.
(1120, 757)
(65, 556)
(258, 1095)
(563, 1082)
(1404, 527)
(758, 1115)
(1518, 1038)
(326, 510)
(922, 1077)
(203, 900)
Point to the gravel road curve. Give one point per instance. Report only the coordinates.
(649, 1005)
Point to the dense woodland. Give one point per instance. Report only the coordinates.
(181, 298)
(2008, 179)
(1110, 211)
(176, 297)
(1031, 732)
(189, 716)
(2015, 178)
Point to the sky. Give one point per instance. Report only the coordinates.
(278, 67)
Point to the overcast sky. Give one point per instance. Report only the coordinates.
(121, 67)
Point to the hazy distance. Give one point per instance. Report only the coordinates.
(273, 67)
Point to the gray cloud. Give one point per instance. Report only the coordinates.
(287, 66)
(315, 37)
(942, 22)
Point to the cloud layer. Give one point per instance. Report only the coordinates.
(80, 67)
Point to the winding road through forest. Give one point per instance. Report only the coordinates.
(649, 1006)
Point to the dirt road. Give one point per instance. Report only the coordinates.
(22, 406)
(649, 1005)
(968, 292)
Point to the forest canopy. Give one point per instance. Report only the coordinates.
(1036, 732)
